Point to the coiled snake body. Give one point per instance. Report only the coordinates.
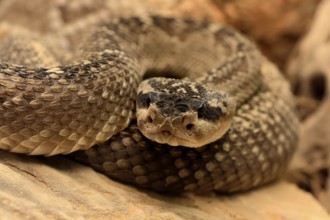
(234, 124)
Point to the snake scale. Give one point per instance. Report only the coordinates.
(228, 109)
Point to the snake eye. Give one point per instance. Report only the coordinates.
(145, 99)
(201, 111)
(198, 106)
(148, 101)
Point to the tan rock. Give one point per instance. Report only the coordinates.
(57, 188)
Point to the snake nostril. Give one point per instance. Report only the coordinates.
(189, 126)
(149, 119)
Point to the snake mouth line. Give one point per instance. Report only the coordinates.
(167, 137)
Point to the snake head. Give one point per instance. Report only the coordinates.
(182, 113)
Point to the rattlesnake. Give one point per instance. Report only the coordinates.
(235, 123)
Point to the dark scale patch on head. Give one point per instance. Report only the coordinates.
(209, 113)
(173, 105)
(170, 105)
(172, 102)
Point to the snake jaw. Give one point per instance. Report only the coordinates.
(184, 130)
(157, 127)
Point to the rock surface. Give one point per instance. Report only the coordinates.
(57, 188)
